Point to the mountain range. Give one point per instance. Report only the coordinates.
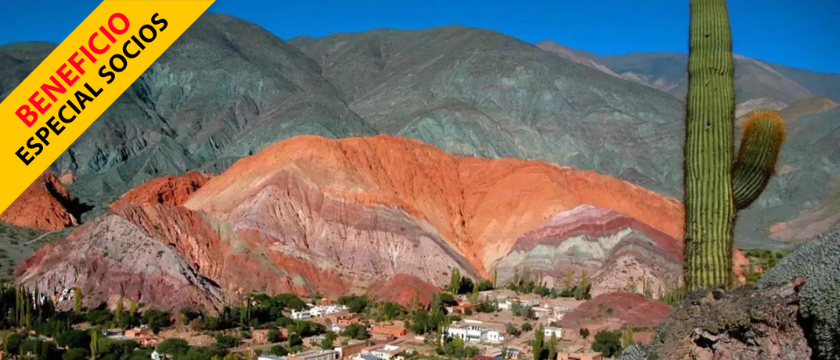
(227, 90)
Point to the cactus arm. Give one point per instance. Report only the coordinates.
(764, 134)
(710, 210)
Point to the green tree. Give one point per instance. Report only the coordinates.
(539, 338)
(455, 281)
(568, 280)
(607, 343)
(584, 333)
(78, 301)
(94, 343)
(278, 350)
(76, 354)
(13, 342)
(495, 276)
(173, 346)
(355, 303)
(552, 346)
(118, 312)
(157, 319)
(627, 337)
(294, 340)
(582, 291)
(512, 330)
(355, 331)
(226, 341)
(74, 339)
(474, 294)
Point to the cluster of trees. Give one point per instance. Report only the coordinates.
(647, 288)
(608, 343)
(611, 343)
(356, 331)
(179, 349)
(760, 262)
(79, 345)
(460, 285)
(455, 348)
(382, 311)
(257, 310)
(526, 283)
(26, 311)
(423, 321)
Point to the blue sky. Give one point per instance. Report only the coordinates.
(799, 33)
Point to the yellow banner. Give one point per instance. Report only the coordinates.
(81, 78)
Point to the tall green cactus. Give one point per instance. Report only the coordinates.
(715, 187)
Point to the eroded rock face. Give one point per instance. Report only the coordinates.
(744, 324)
(619, 252)
(44, 205)
(168, 190)
(336, 216)
(112, 257)
(477, 206)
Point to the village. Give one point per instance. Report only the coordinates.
(519, 322)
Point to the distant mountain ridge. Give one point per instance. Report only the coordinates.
(754, 79)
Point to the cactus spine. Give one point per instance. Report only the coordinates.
(715, 185)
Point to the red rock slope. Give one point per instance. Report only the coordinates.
(405, 290)
(332, 216)
(168, 190)
(479, 206)
(43, 205)
(614, 310)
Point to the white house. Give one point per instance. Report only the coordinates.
(300, 315)
(551, 330)
(385, 352)
(271, 357)
(321, 310)
(476, 331)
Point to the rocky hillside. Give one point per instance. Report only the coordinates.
(44, 205)
(478, 92)
(467, 91)
(167, 190)
(317, 215)
(224, 90)
(614, 310)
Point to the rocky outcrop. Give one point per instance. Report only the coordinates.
(405, 290)
(744, 324)
(818, 261)
(791, 313)
(168, 190)
(44, 205)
